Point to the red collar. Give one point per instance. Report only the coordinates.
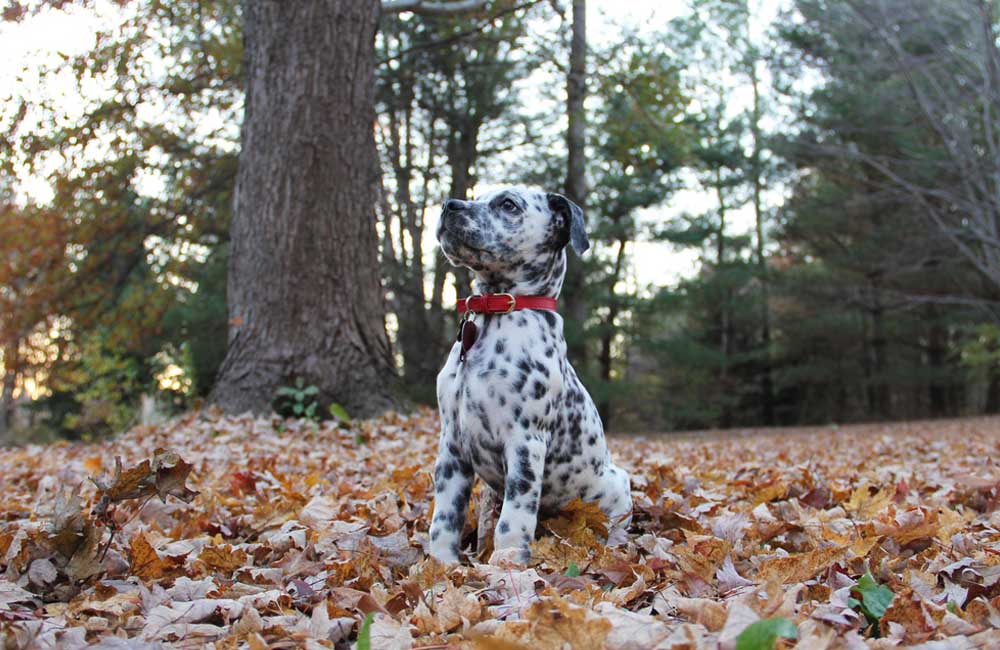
(503, 303)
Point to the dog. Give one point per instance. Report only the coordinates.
(513, 410)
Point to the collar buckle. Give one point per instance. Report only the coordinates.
(511, 302)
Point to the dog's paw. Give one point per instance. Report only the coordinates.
(503, 557)
(446, 554)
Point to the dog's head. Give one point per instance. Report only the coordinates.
(512, 236)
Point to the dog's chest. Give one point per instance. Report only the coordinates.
(509, 386)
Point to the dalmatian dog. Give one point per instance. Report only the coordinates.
(513, 410)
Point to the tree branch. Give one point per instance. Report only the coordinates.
(432, 8)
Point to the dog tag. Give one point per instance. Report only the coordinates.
(467, 333)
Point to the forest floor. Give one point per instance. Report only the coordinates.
(286, 534)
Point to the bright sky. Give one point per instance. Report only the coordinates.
(44, 37)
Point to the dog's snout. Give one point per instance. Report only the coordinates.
(454, 205)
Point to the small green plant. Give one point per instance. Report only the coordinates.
(762, 634)
(872, 598)
(298, 401)
(340, 413)
(572, 571)
(365, 633)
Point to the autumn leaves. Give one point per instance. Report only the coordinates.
(299, 533)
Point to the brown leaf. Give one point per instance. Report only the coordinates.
(555, 624)
(866, 505)
(132, 483)
(86, 561)
(223, 558)
(770, 492)
(146, 563)
(580, 522)
(171, 474)
(703, 555)
(913, 614)
(798, 567)
(66, 523)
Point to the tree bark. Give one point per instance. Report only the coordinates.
(305, 297)
(608, 336)
(766, 381)
(572, 297)
(10, 367)
(462, 155)
(937, 351)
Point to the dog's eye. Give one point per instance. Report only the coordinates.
(509, 205)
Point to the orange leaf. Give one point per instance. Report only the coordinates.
(799, 567)
(223, 558)
(146, 563)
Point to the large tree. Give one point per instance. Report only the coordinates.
(305, 295)
(305, 299)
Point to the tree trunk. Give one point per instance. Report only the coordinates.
(992, 391)
(881, 398)
(937, 351)
(305, 297)
(462, 154)
(766, 381)
(608, 337)
(572, 297)
(10, 363)
(723, 323)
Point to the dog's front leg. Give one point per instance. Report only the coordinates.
(452, 486)
(522, 491)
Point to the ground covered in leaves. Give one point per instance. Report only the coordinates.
(256, 533)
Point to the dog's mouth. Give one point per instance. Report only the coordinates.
(459, 249)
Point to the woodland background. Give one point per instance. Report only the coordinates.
(833, 173)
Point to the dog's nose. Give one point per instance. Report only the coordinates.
(454, 205)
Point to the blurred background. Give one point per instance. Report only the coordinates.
(793, 204)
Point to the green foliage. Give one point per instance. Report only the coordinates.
(982, 349)
(572, 571)
(141, 180)
(365, 633)
(872, 598)
(761, 635)
(340, 413)
(105, 384)
(299, 401)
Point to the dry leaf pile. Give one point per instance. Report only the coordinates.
(254, 533)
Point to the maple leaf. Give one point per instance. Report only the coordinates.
(703, 555)
(86, 561)
(579, 521)
(798, 567)
(555, 624)
(66, 524)
(866, 505)
(171, 474)
(165, 474)
(771, 492)
(146, 563)
(912, 614)
(224, 559)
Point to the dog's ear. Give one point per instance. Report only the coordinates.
(574, 232)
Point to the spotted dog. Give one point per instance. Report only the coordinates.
(513, 410)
